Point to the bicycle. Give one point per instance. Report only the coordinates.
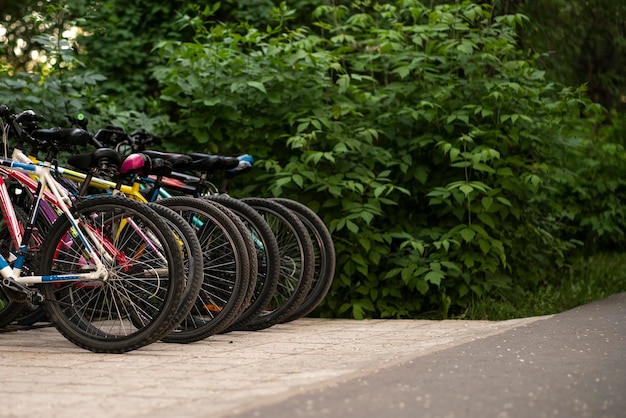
(296, 252)
(106, 287)
(185, 235)
(223, 292)
(288, 296)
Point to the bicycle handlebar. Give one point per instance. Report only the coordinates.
(25, 127)
(28, 116)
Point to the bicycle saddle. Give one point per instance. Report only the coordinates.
(88, 160)
(174, 159)
(61, 137)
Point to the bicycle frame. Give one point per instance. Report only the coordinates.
(132, 191)
(62, 201)
(51, 214)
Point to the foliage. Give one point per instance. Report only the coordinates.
(259, 13)
(423, 137)
(593, 189)
(52, 90)
(118, 38)
(584, 42)
(63, 85)
(19, 30)
(449, 167)
(590, 278)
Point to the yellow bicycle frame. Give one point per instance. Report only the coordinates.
(130, 191)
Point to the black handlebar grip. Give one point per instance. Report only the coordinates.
(28, 116)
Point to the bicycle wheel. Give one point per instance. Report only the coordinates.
(324, 257)
(138, 303)
(254, 262)
(192, 256)
(31, 316)
(296, 263)
(266, 252)
(226, 270)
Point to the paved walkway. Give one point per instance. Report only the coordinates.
(576, 363)
(42, 374)
(569, 365)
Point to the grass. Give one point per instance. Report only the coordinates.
(590, 278)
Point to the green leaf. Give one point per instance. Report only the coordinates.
(379, 190)
(421, 285)
(504, 201)
(257, 85)
(357, 311)
(282, 181)
(354, 228)
(466, 189)
(302, 127)
(468, 234)
(403, 72)
(486, 219)
(407, 273)
(484, 245)
(344, 82)
(298, 179)
(212, 101)
(274, 97)
(454, 154)
(483, 167)
(434, 277)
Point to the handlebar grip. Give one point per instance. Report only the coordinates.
(28, 116)
(246, 161)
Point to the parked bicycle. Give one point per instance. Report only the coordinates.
(292, 300)
(107, 287)
(225, 273)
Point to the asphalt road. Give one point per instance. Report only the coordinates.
(570, 365)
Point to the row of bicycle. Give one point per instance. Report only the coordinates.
(118, 251)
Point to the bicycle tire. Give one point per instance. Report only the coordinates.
(254, 262)
(102, 315)
(224, 286)
(266, 252)
(29, 317)
(192, 256)
(296, 263)
(325, 257)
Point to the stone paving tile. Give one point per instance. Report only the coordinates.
(42, 374)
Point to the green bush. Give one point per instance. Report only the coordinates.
(448, 167)
(423, 137)
(594, 199)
